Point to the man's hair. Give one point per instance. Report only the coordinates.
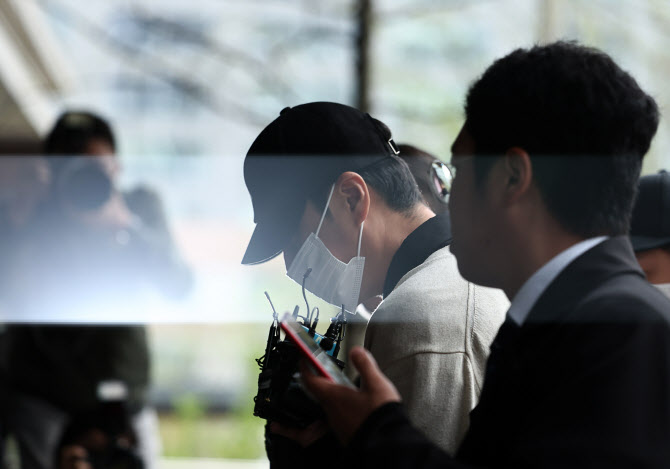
(585, 123)
(74, 130)
(392, 179)
(389, 177)
(410, 151)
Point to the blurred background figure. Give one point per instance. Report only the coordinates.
(103, 438)
(432, 175)
(87, 246)
(23, 183)
(650, 229)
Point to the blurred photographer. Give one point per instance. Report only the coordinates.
(24, 182)
(102, 438)
(90, 247)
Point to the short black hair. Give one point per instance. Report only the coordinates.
(584, 121)
(392, 179)
(74, 130)
(389, 177)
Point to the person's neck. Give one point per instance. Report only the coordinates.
(534, 251)
(395, 227)
(664, 288)
(657, 269)
(660, 276)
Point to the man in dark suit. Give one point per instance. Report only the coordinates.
(579, 374)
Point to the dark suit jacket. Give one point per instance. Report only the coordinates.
(585, 382)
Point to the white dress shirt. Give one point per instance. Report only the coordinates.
(665, 288)
(531, 290)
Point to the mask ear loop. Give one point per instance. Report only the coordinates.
(323, 216)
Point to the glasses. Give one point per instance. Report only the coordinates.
(442, 175)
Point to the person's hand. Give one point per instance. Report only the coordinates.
(114, 214)
(303, 436)
(348, 408)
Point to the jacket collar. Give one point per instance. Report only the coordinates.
(608, 259)
(430, 236)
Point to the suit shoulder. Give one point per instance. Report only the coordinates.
(626, 298)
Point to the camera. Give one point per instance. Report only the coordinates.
(82, 184)
(104, 435)
(116, 457)
(280, 396)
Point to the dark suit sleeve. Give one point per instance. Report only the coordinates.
(284, 453)
(387, 439)
(589, 393)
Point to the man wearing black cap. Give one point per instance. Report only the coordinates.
(650, 229)
(329, 193)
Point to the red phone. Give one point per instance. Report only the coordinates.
(321, 362)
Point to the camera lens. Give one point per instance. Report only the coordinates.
(84, 185)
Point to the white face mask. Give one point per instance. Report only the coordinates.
(330, 279)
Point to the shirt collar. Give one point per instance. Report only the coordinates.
(431, 235)
(664, 287)
(531, 290)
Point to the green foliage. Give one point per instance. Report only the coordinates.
(190, 431)
(189, 408)
(213, 436)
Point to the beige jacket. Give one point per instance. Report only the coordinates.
(431, 337)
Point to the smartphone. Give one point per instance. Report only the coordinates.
(318, 358)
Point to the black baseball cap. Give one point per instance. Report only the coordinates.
(300, 154)
(650, 225)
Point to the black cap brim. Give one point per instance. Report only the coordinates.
(263, 246)
(643, 243)
(271, 236)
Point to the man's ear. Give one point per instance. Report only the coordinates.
(518, 172)
(353, 192)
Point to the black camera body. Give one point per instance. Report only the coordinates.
(116, 457)
(107, 435)
(82, 184)
(281, 397)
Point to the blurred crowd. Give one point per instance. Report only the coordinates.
(73, 243)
